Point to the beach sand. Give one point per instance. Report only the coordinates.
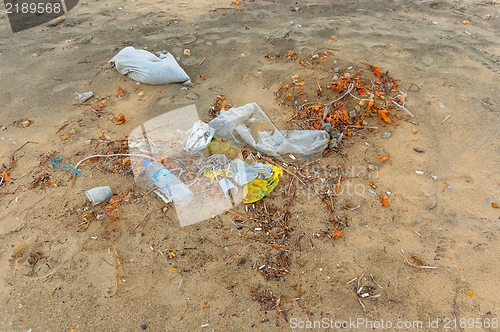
(136, 268)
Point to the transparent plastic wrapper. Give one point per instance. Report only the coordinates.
(145, 67)
(164, 138)
(167, 183)
(243, 172)
(249, 124)
(226, 186)
(200, 137)
(83, 96)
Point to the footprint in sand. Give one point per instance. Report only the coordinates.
(34, 261)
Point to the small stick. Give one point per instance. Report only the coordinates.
(358, 289)
(241, 215)
(238, 227)
(13, 153)
(105, 261)
(454, 309)
(298, 241)
(407, 262)
(319, 86)
(19, 148)
(362, 127)
(338, 184)
(61, 128)
(117, 283)
(361, 302)
(199, 63)
(116, 256)
(356, 278)
(73, 180)
(444, 120)
(144, 219)
(55, 290)
(373, 279)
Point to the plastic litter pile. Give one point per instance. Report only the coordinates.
(211, 158)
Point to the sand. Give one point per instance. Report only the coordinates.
(61, 273)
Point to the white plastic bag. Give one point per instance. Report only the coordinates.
(145, 67)
(201, 135)
(251, 125)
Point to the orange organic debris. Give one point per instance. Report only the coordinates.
(370, 103)
(337, 234)
(120, 92)
(384, 200)
(5, 175)
(291, 55)
(316, 107)
(376, 70)
(120, 119)
(382, 158)
(493, 205)
(383, 114)
(223, 104)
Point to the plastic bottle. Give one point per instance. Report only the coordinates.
(168, 183)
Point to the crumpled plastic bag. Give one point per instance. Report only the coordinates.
(251, 125)
(145, 67)
(200, 137)
(258, 188)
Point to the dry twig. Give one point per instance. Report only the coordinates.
(146, 217)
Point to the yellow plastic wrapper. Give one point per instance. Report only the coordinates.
(209, 173)
(258, 188)
(221, 146)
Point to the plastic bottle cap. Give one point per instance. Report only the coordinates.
(146, 162)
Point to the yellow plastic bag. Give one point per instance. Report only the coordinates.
(258, 188)
(221, 146)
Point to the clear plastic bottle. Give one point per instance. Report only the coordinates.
(168, 183)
